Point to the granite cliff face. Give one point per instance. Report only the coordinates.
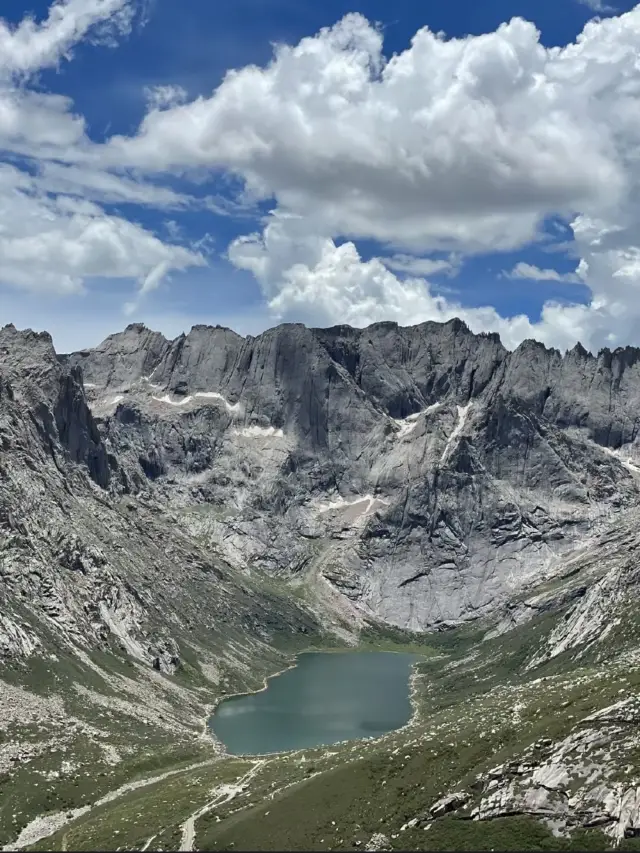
(420, 475)
(80, 561)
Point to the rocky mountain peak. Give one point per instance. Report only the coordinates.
(20, 349)
(579, 352)
(426, 450)
(45, 407)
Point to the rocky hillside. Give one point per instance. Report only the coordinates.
(425, 474)
(117, 628)
(79, 555)
(524, 737)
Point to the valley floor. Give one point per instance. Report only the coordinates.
(498, 755)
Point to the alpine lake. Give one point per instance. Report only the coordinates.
(326, 698)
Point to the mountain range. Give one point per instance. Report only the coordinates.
(179, 517)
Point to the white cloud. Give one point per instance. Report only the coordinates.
(56, 244)
(102, 186)
(597, 6)
(311, 279)
(462, 145)
(163, 97)
(31, 46)
(329, 284)
(42, 124)
(423, 266)
(54, 235)
(453, 144)
(531, 272)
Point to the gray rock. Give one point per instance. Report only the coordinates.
(426, 473)
(421, 475)
(449, 803)
(81, 559)
(377, 842)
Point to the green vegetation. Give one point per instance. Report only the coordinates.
(508, 833)
(156, 809)
(477, 705)
(32, 789)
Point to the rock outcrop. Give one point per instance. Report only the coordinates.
(573, 782)
(421, 475)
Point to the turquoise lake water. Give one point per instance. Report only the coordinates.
(326, 698)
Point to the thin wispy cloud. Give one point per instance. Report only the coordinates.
(530, 272)
(597, 6)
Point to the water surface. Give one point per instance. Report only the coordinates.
(326, 698)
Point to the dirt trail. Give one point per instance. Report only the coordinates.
(224, 793)
(45, 825)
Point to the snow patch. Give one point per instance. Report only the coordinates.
(147, 379)
(625, 459)
(167, 399)
(408, 424)
(343, 503)
(463, 411)
(106, 404)
(259, 432)
(200, 395)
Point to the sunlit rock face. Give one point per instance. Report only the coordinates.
(424, 474)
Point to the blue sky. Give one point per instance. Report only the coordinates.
(508, 251)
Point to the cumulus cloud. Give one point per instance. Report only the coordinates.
(330, 284)
(312, 279)
(456, 145)
(450, 148)
(55, 234)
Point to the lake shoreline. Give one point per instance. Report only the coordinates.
(412, 696)
(211, 708)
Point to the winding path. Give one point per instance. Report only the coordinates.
(224, 793)
(46, 825)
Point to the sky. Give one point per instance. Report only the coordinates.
(351, 161)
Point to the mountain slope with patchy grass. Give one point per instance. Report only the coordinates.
(520, 739)
(117, 629)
